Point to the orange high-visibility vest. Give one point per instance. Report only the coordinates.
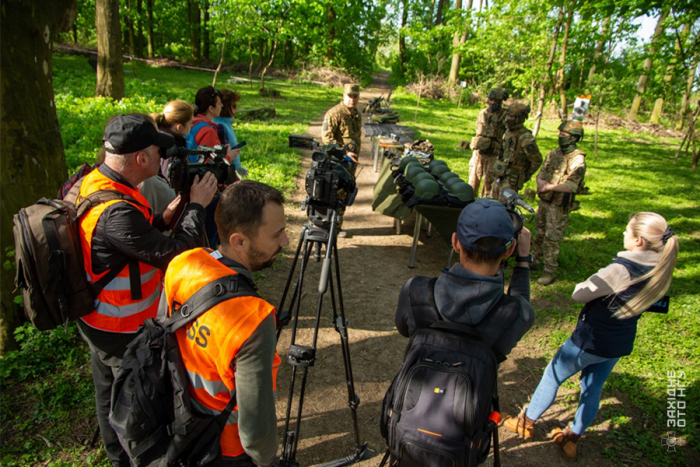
(115, 308)
(210, 343)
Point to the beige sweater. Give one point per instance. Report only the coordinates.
(613, 278)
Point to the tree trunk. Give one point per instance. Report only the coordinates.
(110, 72)
(139, 29)
(151, 42)
(688, 89)
(195, 38)
(129, 40)
(330, 50)
(457, 41)
(642, 84)
(33, 163)
(599, 47)
(600, 98)
(659, 104)
(548, 70)
(562, 64)
(439, 18)
(206, 45)
(402, 38)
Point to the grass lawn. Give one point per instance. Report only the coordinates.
(46, 407)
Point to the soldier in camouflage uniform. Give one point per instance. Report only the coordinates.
(559, 180)
(343, 123)
(486, 145)
(519, 157)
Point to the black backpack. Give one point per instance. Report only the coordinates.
(442, 407)
(50, 267)
(151, 409)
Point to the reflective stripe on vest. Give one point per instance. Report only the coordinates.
(210, 343)
(115, 309)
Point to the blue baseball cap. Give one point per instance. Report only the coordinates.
(484, 218)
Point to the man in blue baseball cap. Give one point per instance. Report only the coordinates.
(471, 292)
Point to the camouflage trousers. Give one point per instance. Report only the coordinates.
(551, 225)
(481, 171)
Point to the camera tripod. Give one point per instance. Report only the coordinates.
(301, 357)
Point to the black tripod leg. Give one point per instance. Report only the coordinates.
(341, 326)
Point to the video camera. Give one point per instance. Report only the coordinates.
(330, 184)
(515, 204)
(181, 172)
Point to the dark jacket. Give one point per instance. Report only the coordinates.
(464, 297)
(122, 231)
(597, 331)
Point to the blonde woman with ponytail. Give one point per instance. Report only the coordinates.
(614, 298)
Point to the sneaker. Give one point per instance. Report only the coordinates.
(546, 279)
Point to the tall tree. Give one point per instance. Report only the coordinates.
(439, 13)
(458, 40)
(659, 103)
(642, 83)
(33, 163)
(206, 42)
(688, 88)
(195, 38)
(562, 65)
(402, 37)
(110, 72)
(149, 21)
(599, 47)
(546, 76)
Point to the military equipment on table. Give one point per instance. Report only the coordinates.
(461, 190)
(427, 188)
(405, 161)
(421, 176)
(413, 169)
(446, 176)
(439, 170)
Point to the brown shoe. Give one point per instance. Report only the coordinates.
(568, 441)
(524, 427)
(546, 279)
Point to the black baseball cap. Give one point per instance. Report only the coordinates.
(125, 134)
(484, 218)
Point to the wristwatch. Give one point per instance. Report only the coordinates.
(524, 259)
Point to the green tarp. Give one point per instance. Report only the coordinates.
(386, 198)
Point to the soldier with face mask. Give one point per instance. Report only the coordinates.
(560, 179)
(519, 157)
(490, 126)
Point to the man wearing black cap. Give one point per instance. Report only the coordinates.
(471, 291)
(121, 240)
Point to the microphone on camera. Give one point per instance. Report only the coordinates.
(512, 195)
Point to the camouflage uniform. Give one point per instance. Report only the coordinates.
(517, 162)
(554, 208)
(342, 125)
(486, 145)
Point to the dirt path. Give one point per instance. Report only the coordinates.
(373, 268)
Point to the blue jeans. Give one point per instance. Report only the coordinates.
(568, 361)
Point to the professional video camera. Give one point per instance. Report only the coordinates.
(330, 185)
(514, 205)
(181, 172)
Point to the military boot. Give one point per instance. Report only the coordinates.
(546, 279)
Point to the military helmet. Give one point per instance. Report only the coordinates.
(438, 170)
(437, 162)
(421, 176)
(412, 169)
(463, 191)
(427, 189)
(446, 176)
(498, 93)
(452, 182)
(407, 160)
(573, 127)
(519, 112)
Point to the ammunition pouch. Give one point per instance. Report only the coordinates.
(499, 168)
(546, 195)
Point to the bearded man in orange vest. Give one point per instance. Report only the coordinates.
(229, 350)
(123, 235)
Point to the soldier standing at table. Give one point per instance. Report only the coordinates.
(343, 123)
(559, 180)
(490, 126)
(519, 157)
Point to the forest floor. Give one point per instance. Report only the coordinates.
(373, 268)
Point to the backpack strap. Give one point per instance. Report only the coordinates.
(422, 301)
(212, 294)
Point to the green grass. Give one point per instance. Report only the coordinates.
(631, 173)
